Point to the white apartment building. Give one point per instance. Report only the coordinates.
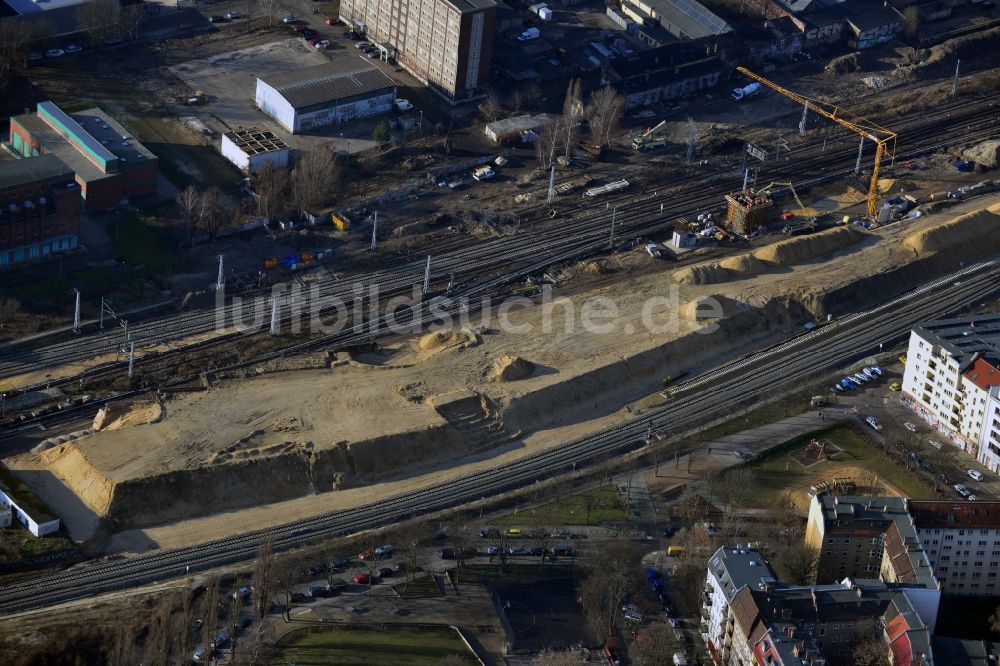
(729, 570)
(951, 365)
(447, 44)
(989, 445)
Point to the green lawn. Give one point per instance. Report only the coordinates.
(328, 9)
(603, 504)
(777, 473)
(145, 253)
(17, 544)
(362, 646)
(422, 586)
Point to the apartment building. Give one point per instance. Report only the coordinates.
(447, 44)
(989, 445)
(962, 542)
(749, 617)
(39, 209)
(951, 367)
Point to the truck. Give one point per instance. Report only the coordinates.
(653, 137)
(739, 94)
(530, 33)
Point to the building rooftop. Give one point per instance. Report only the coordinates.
(519, 123)
(937, 514)
(471, 5)
(109, 133)
(689, 17)
(55, 144)
(907, 634)
(983, 374)
(737, 567)
(959, 652)
(963, 337)
(32, 7)
(14, 173)
(256, 140)
(322, 84)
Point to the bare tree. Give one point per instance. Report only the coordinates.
(209, 613)
(124, 649)
(268, 8)
(99, 18)
(314, 179)
(461, 537)
(498, 540)
(547, 144)
(410, 542)
(233, 616)
(13, 39)
(572, 110)
(550, 657)
(209, 211)
(911, 21)
(181, 624)
(265, 581)
(188, 201)
(871, 483)
(286, 577)
(542, 540)
(800, 563)
(603, 113)
(159, 641)
(271, 187)
(653, 644)
(491, 107)
(517, 101)
(129, 20)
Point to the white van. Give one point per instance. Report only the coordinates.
(975, 475)
(483, 173)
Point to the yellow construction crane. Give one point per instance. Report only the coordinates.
(885, 140)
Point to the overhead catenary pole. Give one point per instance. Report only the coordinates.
(76, 313)
(427, 275)
(857, 165)
(614, 213)
(954, 82)
(374, 230)
(101, 324)
(131, 358)
(552, 184)
(274, 315)
(802, 122)
(746, 179)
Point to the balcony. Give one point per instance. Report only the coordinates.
(706, 601)
(705, 614)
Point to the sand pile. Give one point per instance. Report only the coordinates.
(707, 309)
(439, 340)
(116, 416)
(894, 185)
(980, 228)
(708, 273)
(984, 154)
(941, 57)
(510, 369)
(803, 248)
(844, 64)
(745, 263)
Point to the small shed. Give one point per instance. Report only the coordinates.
(516, 125)
(249, 148)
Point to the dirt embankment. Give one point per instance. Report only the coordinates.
(977, 232)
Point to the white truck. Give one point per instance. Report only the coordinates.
(530, 33)
(740, 94)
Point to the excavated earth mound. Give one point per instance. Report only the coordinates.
(980, 228)
(510, 368)
(710, 273)
(803, 248)
(745, 263)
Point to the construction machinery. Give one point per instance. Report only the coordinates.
(654, 137)
(804, 224)
(884, 139)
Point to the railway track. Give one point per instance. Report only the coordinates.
(696, 400)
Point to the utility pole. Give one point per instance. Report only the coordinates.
(274, 315)
(427, 275)
(552, 184)
(101, 324)
(131, 358)
(374, 230)
(857, 165)
(746, 179)
(76, 313)
(954, 83)
(692, 137)
(451, 282)
(220, 284)
(611, 241)
(802, 123)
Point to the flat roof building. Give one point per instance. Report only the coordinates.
(39, 209)
(109, 163)
(684, 19)
(447, 44)
(332, 93)
(249, 148)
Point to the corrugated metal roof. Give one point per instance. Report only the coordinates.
(322, 84)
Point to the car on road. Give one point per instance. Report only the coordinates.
(972, 498)
(873, 423)
(73, 48)
(403, 104)
(362, 578)
(944, 478)
(215, 18)
(298, 597)
(54, 53)
(385, 572)
(489, 532)
(233, 15)
(975, 475)
(895, 386)
(322, 44)
(318, 591)
(385, 550)
(935, 444)
(514, 532)
(961, 490)
(32, 57)
(912, 427)
(289, 19)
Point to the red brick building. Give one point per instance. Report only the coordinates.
(109, 163)
(39, 209)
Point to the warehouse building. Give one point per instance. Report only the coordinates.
(250, 148)
(39, 209)
(25, 507)
(447, 44)
(108, 162)
(334, 93)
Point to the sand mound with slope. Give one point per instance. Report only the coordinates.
(981, 227)
(510, 368)
(803, 248)
(439, 340)
(744, 263)
(709, 273)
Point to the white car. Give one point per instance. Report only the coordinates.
(975, 475)
(873, 422)
(73, 48)
(935, 444)
(483, 173)
(403, 104)
(859, 378)
(500, 161)
(972, 498)
(653, 251)
(910, 426)
(289, 19)
(233, 15)
(961, 490)
(877, 370)
(54, 53)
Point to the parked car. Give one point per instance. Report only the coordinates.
(289, 19)
(362, 578)
(322, 44)
(912, 427)
(961, 490)
(385, 550)
(54, 53)
(446, 553)
(366, 555)
(234, 15)
(336, 584)
(519, 551)
(32, 57)
(493, 550)
(73, 48)
(221, 640)
(848, 384)
(243, 593)
(341, 564)
(972, 498)
(562, 534)
(299, 29)
(562, 551)
(199, 655)
(895, 386)
(489, 532)
(350, 34)
(935, 444)
(873, 422)
(975, 475)
(669, 531)
(944, 478)
(403, 104)
(313, 41)
(514, 532)
(877, 370)
(215, 18)
(319, 591)
(860, 378)
(836, 388)
(385, 572)
(298, 597)
(333, 21)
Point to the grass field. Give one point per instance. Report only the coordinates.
(777, 472)
(592, 507)
(421, 586)
(362, 646)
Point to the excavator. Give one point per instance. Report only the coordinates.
(653, 137)
(805, 223)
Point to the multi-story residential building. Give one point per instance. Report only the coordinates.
(951, 365)
(989, 444)
(749, 617)
(110, 164)
(447, 44)
(39, 209)
(962, 542)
